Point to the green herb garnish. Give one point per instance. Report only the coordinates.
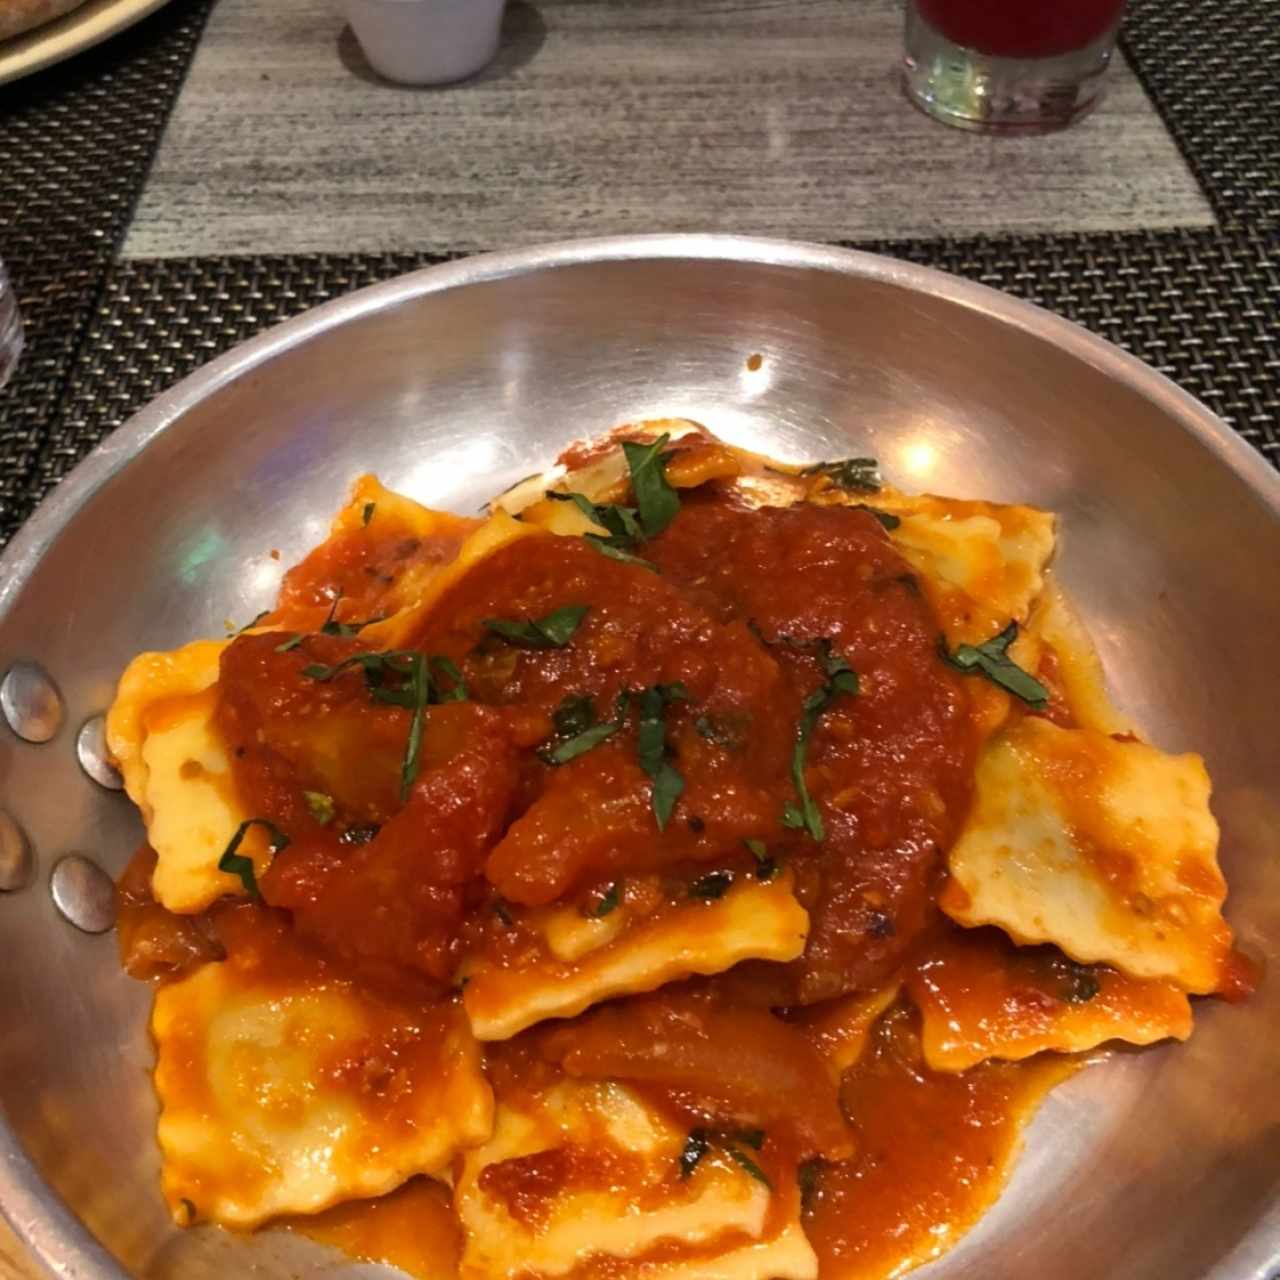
(992, 660)
(715, 884)
(321, 806)
(700, 1141)
(366, 513)
(415, 690)
(886, 518)
(551, 632)
(332, 627)
(457, 691)
(291, 643)
(236, 864)
(657, 504)
(253, 622)
(575, 714)
(766, 867)
(612, 897)
(503, 913)
(1080, 984)
(859, 474)
(841, 678)
(606, 548)
(719, 731)
(360, 834)
(579, 744)
(657, 501)
(696, 1145)
(578, 730)
(746, 1163)
(809, 1176)
(651, 747)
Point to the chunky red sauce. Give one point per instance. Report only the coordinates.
(735, 615)
(405, 881)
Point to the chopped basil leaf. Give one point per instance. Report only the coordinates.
(746, 1163)
(236, 864)
(627, 527)
(575, 722)
(575, 714)
(414, 692)
(841, 678)
(458, 690)
(651, 747)
(991, 658)
(719, 731)
(886, 518)
(500, 910)
(700, 1141)
(579, 744)
(766, 867)
(809, 1176)
(607, 548)
(552, 632)
(360, 834)
(332, 627)
(321, 806)
(621, 523)
(1080, 984)
(291, 643)
(612, 896)
(253, 622)
(715, 884)
(366, 513)
(657, 501)
(861, 474)
(696, 1145)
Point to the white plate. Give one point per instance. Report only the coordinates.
(80, 29)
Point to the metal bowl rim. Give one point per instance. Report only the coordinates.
(44, 1223)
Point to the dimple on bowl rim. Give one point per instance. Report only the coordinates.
(45, 1224)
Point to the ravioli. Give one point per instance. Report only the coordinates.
(586, 1171)
(160, 730)
(285, 1088)
(599, 961)
(982, 562)
(382, 553)
(1104, 846)
(1058, 646)
(980, 997)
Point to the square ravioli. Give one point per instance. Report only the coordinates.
(1103, 846)
(981, 997)
(590, 960)
(285, 1088)
(582, 1175)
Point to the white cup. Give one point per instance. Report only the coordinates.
(426, 41)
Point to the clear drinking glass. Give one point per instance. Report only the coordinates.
(10, 328)
(1015, 66)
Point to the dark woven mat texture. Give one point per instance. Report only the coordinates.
(106, 337)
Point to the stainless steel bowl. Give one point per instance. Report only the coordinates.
(455, 381)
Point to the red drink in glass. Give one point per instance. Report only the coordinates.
(1008, 65)
(1022, 28)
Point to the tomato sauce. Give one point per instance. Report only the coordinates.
(424, 831)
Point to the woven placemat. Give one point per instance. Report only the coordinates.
(76, 142)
